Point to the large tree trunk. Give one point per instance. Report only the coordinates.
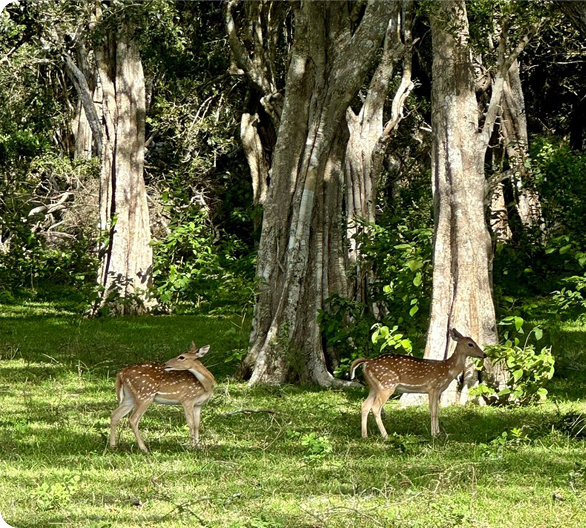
(125, 271)
(301, 258)
(462, 253)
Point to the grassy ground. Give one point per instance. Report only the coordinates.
(303, 464)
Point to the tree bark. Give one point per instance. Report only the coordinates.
(126, 266)
(301, 257)
(516, 138)
(88, 129)
(462, 252)
(370, 136)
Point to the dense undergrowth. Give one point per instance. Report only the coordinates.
(297, 461)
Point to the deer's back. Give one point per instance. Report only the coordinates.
(152, 377)
(406, 373)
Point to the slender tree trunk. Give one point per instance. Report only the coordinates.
(301, 258)
(125, 271)
(514, 129)
(85, 146)
(369, 138)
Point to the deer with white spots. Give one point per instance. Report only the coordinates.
(390, 373)
(182, 380)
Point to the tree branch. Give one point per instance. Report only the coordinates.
(86, 98)
(503, 66)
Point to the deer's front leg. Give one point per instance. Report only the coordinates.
(434, 398)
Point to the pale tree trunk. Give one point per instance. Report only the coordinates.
(370, 136)
(85, 146)
(87, 126)
(462, 252)
(302, 253)
(126, 266)
(514, 130)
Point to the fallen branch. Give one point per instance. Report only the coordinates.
(249, 411)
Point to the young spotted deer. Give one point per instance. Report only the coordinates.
(182, 380)
(387, 374)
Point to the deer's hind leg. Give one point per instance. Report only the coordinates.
(366, 406)
(382, 396)
(126, 405)
(139, 409)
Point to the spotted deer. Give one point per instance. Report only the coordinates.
(390, 373)
(181, 380)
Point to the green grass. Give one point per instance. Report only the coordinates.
(303, 464)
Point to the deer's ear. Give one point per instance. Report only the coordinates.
(202, 351)
(193, 347)
(456, 336)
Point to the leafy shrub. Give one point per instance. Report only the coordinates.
(506, 441)
(401, 259)
(316, 446)
(528, 369)
(190, 267)
(345, 325)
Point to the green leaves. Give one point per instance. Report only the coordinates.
(384, 337)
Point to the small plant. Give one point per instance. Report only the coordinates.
(529, 370)
(50, 496)
(571, 298)
(506, 441)
(316, 446)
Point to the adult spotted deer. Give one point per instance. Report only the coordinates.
(182, 380)
(387, 374)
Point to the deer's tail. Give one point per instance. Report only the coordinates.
(119, 388)
(355, 364)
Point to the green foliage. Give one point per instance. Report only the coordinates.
(384, 337)
(570, 299)
(316, 446)
(559, 178)
(507, 441)
(346, 325)
(191, 268)
(401, 258)
(528, 369)
(51, 496)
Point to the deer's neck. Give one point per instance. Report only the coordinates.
(456, 362)
(205, 377)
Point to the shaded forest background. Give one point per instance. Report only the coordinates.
(205, 213)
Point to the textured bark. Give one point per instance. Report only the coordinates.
(301, 257)
(253, 47)
(462, 253)
(125, 270)
(370, 135)
(514, 130)
(88, 129)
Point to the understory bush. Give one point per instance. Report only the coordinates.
(529, 370)
(191, 268)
